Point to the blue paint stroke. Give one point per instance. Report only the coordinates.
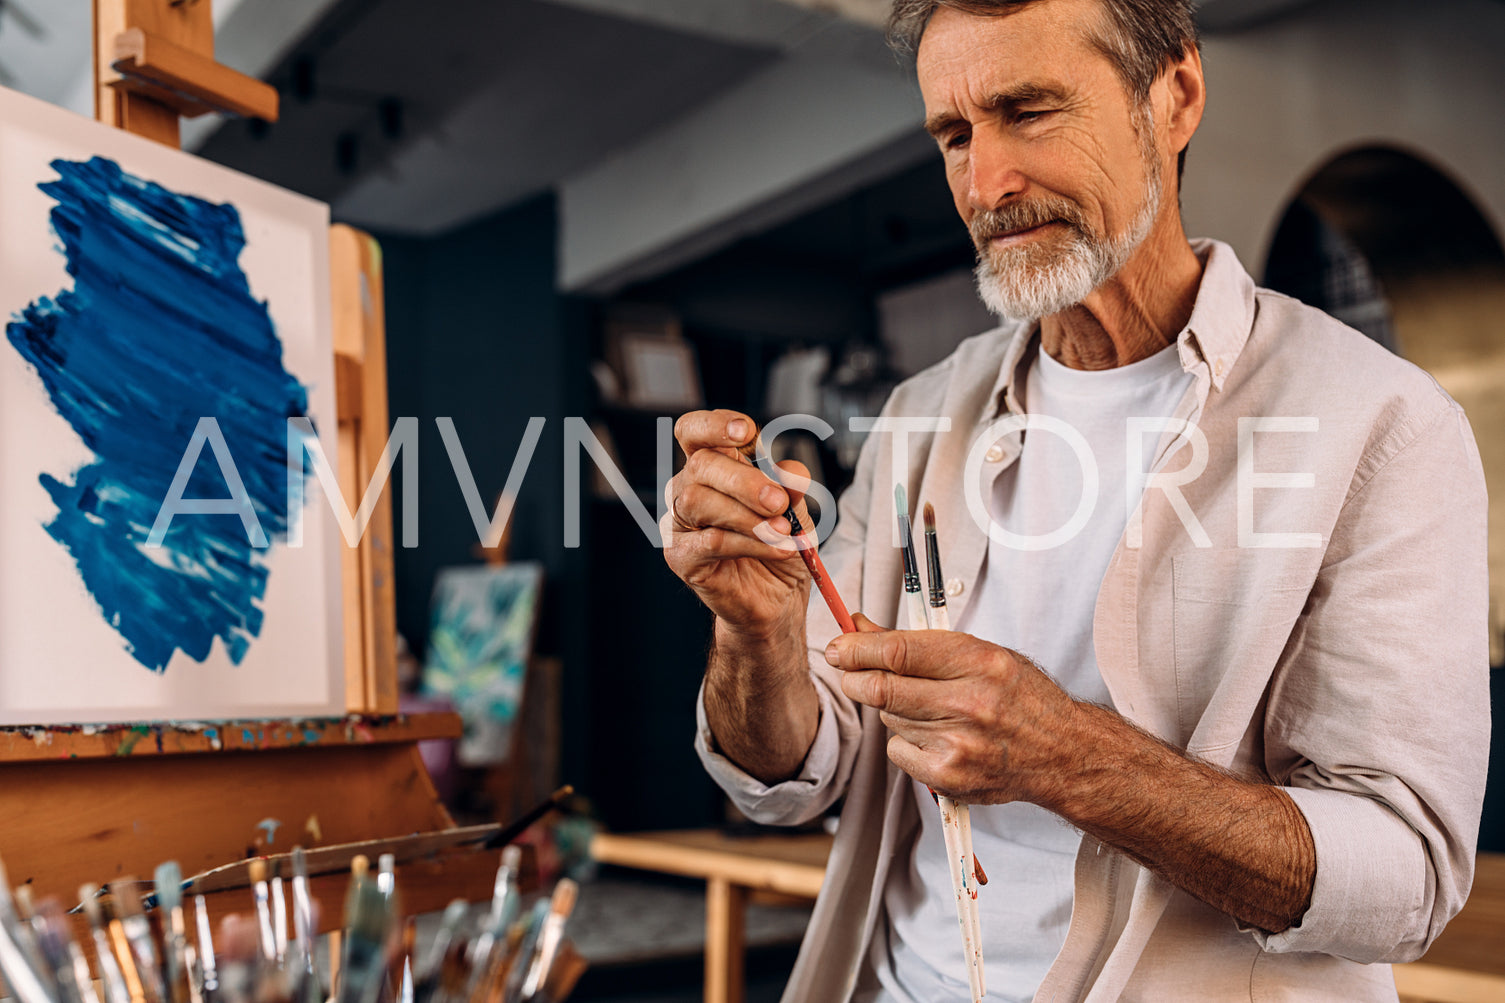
(160, 329)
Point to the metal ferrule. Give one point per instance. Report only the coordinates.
(933, 565)
(911, 565)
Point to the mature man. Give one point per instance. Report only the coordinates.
(1244, 756)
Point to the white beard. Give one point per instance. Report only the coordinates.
(1011, 284)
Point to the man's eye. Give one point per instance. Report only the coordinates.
(958, 140)
(1030, 116)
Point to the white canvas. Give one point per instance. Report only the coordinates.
(60, 660)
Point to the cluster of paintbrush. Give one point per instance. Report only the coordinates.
(507, 956)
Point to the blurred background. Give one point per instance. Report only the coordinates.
(622, 209)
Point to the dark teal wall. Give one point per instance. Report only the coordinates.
(477, 333)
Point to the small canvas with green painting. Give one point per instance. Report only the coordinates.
(480, 640)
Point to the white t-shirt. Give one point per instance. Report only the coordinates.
(1039, 602)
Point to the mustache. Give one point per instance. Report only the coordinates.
(991, 223)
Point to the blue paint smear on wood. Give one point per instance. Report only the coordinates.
(160, 329)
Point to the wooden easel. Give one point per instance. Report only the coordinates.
(89, 805)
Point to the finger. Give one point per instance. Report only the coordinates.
(719, 429)
(701, 549)
(864, 625)
(794, 477)
(736, 479)
(917, 700)
(699, 507)
(911, 759)
(933, 654)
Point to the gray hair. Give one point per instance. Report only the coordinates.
(1140, 37)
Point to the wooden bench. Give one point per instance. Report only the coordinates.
(1465, 965)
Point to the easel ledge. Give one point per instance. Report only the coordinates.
(41, 743)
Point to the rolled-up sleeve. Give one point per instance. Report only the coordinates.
(1378, 719)
(793, 802)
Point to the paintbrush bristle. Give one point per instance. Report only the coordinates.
(88, 895)
(929, 518)
(563, 900)
(258, 871)
(124, 900)
(169, 885)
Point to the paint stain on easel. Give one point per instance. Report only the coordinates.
(160, 329)
(129, 739)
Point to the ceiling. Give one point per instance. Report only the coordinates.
(412, 116)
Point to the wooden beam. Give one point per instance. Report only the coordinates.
(348, 390)
(359, 332)
(189, 24)
(186, 81)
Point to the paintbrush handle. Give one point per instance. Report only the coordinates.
(109, 970)
(914, 602)
(521, 825)
(19, 974)
(969, 880)
(810, 554)
(938, 618)
(951, 830)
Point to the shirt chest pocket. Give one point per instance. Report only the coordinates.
(1233, 615)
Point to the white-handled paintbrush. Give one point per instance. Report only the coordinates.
(261, 891)
(956, 818)
(115, 990)
(561, 904)
(169, 887)
(279, 920)
(209, 975)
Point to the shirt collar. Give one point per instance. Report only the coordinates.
(1221, 320)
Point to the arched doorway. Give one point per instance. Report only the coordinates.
(1389, 244)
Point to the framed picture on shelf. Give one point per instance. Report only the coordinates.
(657, 366)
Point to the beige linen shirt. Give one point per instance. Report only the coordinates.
(1328, 634)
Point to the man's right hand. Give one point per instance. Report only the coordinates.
(731, 544)
(730, 541)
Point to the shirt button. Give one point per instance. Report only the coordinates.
(994, 454)
(1218, 369)
(955, 587)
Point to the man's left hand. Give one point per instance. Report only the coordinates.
(973, 720)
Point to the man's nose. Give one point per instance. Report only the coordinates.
(995, 175)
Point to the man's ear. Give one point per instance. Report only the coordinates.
(1186, 98)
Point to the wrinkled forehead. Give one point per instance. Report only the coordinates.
(1056, 27)
(1048, 44)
